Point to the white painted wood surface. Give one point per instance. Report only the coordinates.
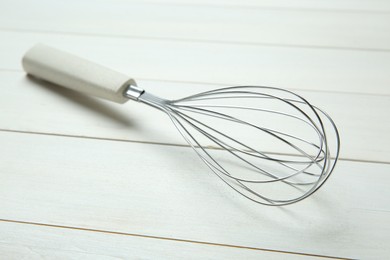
(83, 178)
(166, 191)
(286, 27)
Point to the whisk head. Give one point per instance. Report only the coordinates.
(268, 144)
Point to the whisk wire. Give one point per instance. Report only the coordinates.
(183, 113)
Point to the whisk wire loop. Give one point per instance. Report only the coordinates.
(236, 160)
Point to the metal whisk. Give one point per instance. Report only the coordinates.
(268, 144)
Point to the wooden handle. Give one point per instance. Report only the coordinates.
(75, 73)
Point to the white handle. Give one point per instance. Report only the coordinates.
(76, 73)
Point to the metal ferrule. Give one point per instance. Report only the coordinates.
(133, 92)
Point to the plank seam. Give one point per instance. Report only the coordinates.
(270, 8)
(167, 238)
(275, 45)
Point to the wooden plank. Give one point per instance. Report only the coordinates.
(167, 192)
(26, 241)
(286, 27)
(294, 68)
(31, 106)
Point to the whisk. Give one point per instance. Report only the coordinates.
(268, 144)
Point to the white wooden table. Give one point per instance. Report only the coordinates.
(81, 178)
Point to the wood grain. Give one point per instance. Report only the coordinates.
(167, 192)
